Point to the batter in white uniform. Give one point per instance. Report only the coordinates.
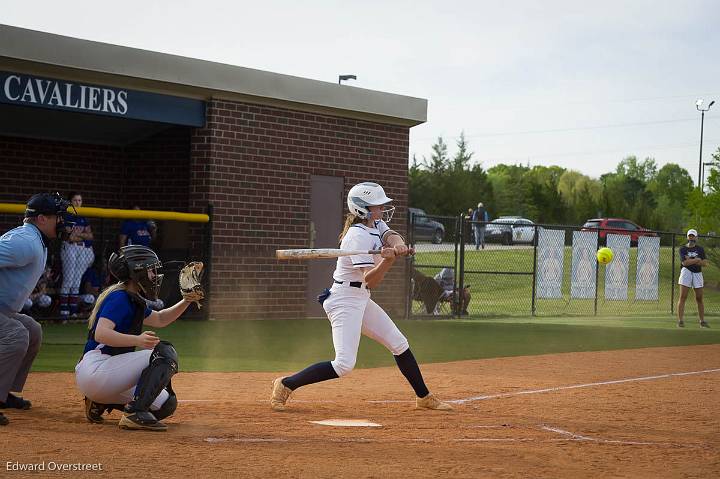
(348, 305)
(111, 374)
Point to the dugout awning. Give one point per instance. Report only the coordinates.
(66, 58)
(71, 110)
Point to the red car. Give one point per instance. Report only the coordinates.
(618, 226)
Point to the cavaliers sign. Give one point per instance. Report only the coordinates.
(28, 90)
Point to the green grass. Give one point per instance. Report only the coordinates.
(285, 345)
(511, 295)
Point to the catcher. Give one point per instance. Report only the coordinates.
(111, 373)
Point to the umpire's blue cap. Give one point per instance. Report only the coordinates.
(46, 204)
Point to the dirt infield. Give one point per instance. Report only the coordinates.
(627, 414)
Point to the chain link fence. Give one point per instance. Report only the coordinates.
(523, 269)
(76, 272)
(433, 282)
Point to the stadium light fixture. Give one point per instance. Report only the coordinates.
(342, 78)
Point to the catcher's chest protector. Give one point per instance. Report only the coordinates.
(135, 328)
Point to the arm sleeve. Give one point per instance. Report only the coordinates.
(385, 231)
(702, 253)
(681, 252)
(359, 240)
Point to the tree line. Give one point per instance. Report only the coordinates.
(662, 199)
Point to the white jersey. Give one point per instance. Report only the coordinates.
(359, 237)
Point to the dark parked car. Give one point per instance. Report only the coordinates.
(618, 226)
(425, 228)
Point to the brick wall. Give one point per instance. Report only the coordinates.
(253, 163)
(30, 166)
(152, 173)
(155, 174)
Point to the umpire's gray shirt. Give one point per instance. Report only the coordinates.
(22, 261)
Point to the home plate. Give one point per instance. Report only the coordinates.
(347, 423)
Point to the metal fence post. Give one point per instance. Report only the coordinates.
(597, 275)
(672, 278)
(460, 263)
(208, 261)
(411, 268)
(534, 277)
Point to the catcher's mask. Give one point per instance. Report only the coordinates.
(140, 264)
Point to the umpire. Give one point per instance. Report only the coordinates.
(23, 254)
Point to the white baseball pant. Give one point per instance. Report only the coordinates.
(109, 379)
(76, 258)
(351, 313)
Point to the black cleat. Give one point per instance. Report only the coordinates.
(14, 402)
(94, 411)
(3, 420)
(704, 324)
(681, 324)
(141, 421)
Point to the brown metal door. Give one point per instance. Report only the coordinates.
(326, 219)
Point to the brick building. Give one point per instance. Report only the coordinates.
(273, 154)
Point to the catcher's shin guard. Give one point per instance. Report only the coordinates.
(169, 406)
(156, 377)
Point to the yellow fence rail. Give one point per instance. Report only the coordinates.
(120, 214)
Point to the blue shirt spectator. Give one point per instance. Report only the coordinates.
(91, 276)
(79, 224)
(136, 231)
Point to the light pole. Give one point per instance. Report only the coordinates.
(698, 106)
(346, 77)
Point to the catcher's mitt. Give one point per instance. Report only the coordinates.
(190, 286)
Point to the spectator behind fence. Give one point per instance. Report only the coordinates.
(39, 297)
(90, 286)
(76, 254)
(471, 232)
(138, 232)
(481, 215)
(426, 290)
(446, 279)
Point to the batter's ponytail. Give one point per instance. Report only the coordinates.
(350, 219)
